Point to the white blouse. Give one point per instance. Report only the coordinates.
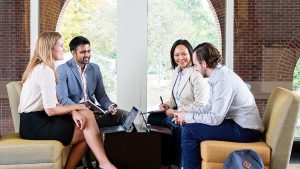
(38, 91)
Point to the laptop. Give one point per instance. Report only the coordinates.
(154, 128)
(125, 125)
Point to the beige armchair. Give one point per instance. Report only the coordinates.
(17, 153)
(280, 122)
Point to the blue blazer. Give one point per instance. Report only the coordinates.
(69, 87)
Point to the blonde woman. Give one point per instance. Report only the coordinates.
(42, 118)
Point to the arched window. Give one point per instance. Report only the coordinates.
(96, 21)
(168, 21)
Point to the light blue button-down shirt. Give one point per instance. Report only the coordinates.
(176, 92)
(230, 99)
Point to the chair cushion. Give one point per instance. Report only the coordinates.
(212, 165)
(14, 150)
(29, 166)
(218, 151)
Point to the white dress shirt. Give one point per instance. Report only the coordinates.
(83, 83)
(230, 99)
(38, 91)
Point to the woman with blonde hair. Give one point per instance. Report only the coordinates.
(42, 118)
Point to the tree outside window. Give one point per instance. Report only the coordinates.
(296, 87)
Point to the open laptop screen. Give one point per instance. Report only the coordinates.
(131, 116)
(154, 128)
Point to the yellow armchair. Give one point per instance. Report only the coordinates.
(17, 153)
(279, 119)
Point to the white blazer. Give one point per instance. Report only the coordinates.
(194, 90)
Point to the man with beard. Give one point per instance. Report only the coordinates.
(79, 80)
(230, 115)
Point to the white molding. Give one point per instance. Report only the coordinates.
(34, 24)
(229, 35)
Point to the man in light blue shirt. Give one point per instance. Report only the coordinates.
(230, 115)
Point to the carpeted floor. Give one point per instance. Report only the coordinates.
(294, 162)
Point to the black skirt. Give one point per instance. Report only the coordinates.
(39, 126)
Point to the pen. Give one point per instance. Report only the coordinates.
(162, 102)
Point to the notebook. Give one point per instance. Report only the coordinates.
(94, 108)
(155, 128)
(125, 125)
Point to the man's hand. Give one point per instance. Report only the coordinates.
(179, 118)
(81, 107)
(113, 109)
(163, 107)
(79, 119)
(170, 112)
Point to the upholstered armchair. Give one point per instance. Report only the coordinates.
(17, 153)
(279, 119)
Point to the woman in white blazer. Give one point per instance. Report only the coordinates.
(190, 91)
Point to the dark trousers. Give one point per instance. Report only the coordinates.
(170, 144)
(194, 133)
(107, 120)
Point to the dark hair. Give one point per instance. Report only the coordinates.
(209, 53)
(78, 40)
(184, 43)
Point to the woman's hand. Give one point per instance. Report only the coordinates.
(163, 107)
(79, 119)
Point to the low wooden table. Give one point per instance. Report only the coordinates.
(135, 150)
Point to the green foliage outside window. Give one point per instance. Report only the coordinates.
(169, 20)
(94, 19)
(296, 86)
(296, 77)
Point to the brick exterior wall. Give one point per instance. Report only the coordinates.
(266, 43)
(50, 11)
(14, 51)
(5, 117)
(219, 7)
(266, 39)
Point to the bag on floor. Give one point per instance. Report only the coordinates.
(244, 159)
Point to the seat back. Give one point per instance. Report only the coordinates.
(14, 91)
(280, 122)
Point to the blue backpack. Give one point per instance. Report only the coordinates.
(244, 159)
